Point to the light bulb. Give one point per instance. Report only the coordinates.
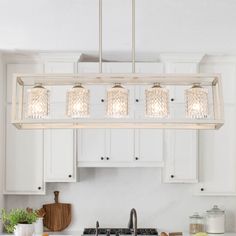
(117, 102)
(196, 102)
(37, 102)
(78, 102)
(157, 102)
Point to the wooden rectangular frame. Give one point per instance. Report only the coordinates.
(22, 80)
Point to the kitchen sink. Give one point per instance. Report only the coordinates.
(119, 231)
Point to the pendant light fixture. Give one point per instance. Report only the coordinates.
(117, 101)
(78, 102)
(77, 105)
(157, 102)
(196, 102)
(38, 102)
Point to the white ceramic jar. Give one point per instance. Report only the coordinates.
(215, 221)
(38, 226)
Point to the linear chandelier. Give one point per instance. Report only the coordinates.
(202, 109)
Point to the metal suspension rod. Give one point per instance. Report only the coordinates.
(133, 36)
(100, 36)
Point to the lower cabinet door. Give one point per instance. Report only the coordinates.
(181, 156)
(60, 155)
(24, 160)
(217, 162)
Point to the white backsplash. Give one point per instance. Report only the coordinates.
(108, 194)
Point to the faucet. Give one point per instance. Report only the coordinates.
(97, 226)
(133, 221)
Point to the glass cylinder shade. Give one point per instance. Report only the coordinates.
(37, 102)
(157, 102)
(196, 102)
(117, 102)
(78, 102)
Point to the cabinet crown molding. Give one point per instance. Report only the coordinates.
(60, 56)
(181, 57)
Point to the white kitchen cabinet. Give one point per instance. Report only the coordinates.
(92, 146)
(148, 142)
(119, 147)
(149, 147)
(60, 155)
(59, 144)
(24, 160)
(105, 147)
(181, 152)
(217, 164)
(180, 146)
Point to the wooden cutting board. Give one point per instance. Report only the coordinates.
(58, 215)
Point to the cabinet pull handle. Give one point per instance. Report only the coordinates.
(136, 100)
(102, 158)
(172, 99)
(69, 176)
(202, 189)
(102, 100)
(39, 188)
(108, 158)
(172, 176)
(136, 158)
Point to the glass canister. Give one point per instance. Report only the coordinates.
(215, 221)
(196, 223)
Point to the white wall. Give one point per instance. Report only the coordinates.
(162, 25)
(108, 195)
(1, 135)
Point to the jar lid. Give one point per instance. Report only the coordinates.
(196, 216)
(215, 210)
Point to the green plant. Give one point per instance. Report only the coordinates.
(17, 216)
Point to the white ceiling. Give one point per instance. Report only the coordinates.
(162, 25)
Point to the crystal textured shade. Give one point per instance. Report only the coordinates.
(157, 102)
(37, 102)
(196, 102)
(78, 102)
(117, 102)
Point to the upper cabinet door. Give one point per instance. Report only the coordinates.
(91, 147)
(24, 160)
(59, 144)
(20, 68)
(148, 142)
(149, 147)
(121, 145)
(60, 155)
(217, 151)
(181, 152)
(181, 146)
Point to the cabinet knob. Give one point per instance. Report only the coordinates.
(202, 189)
(102, 158)
(136, 100)
(172, 176)
(172, 99)
(39, 188)
(69, 176)
(102, 100)
(136, 158)
(108, 158)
